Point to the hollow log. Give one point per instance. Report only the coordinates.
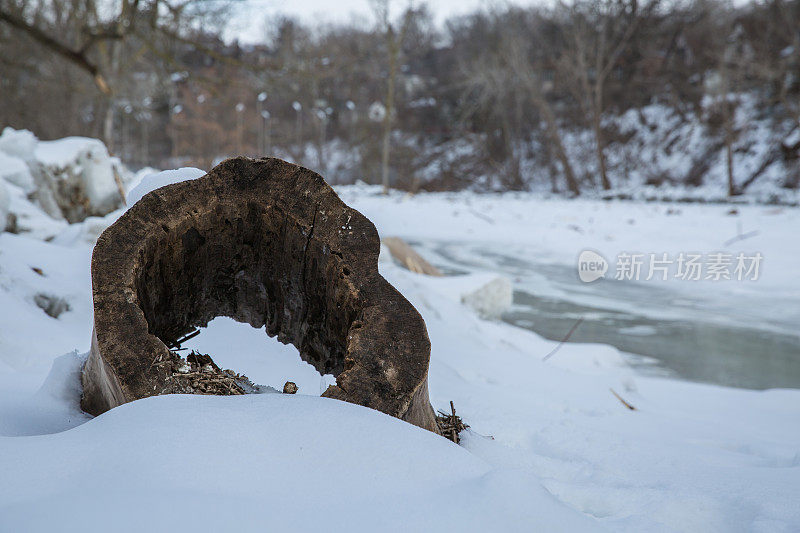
(267, 243)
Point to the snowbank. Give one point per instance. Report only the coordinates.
(5, 202)
(269, 461)
(151, 182)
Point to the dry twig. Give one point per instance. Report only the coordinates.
(626, 404)
(565, 339)
(450, 425)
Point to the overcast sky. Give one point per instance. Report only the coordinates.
(248, 22)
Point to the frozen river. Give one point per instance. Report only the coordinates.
(671, 328)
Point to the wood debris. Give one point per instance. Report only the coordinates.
(408, 257)
(450, 425)
(198, 374)
(618, 397)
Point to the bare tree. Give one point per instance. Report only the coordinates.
(394, 43)
(94, 38)
(504, 80)
(599, 32)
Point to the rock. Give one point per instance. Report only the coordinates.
(267, 243)
(54, 306)
(289, 387)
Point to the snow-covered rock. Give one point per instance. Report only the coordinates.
(87, 231)
(80, 173)
(70, 178)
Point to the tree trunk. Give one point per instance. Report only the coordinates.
(598, 136)
(108, 126)
(558, 145)
(729, 153)
(394, 49)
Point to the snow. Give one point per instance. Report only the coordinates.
(28, 337)
(557, 230)
(5, 202)
(549, 448)
(18, 143)
(249, 351)
(14, 170)
(269, 461)
(156, 180)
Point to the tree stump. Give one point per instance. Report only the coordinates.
(267, 243)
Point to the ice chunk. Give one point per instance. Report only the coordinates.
(491, 299)
(486, 293)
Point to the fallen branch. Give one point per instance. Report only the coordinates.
(626, 404)
(565, 339)
(742, 237)
(177, 344)
(77, 57)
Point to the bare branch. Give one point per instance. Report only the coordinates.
(77, 57)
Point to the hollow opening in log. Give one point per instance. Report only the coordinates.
(249, 351)
(252, 267)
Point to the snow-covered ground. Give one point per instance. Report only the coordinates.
(550, 446)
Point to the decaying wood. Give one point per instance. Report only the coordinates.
(267, 243)
(408, 257)
(120, 187)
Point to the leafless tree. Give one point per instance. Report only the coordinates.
(394, 42)
(599, 31)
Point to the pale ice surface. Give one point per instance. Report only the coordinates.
(549, 448)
